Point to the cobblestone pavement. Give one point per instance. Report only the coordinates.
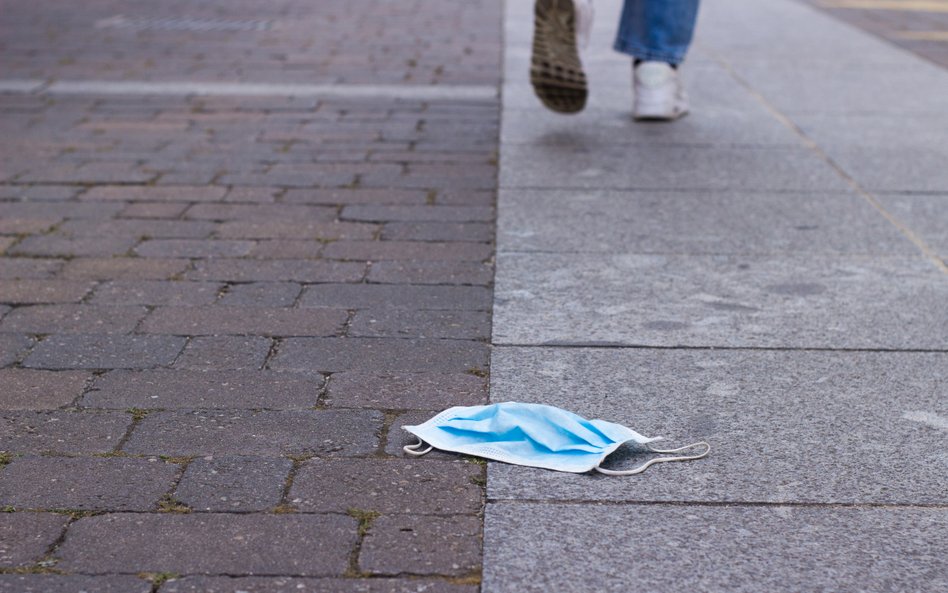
(216, 311)
(918, 26)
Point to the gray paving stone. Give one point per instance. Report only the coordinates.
(194, 248)
(72, 319)
(414, 486)
(41, 192)
(224, 319)
(407, 250)
(740, 549)
(422, 545)
(295, 229)
(784, 426)
(695, 222)
(28, 389)
(61, 431)
(203, 584)
(154, 292)
(925, 215)
(287, 249)
(27, 226)
(459, 325)
(220, 543)
(164, 388)
(431, 272)
(252, 194)
(43, 291)
(895, 131)
(212, 353)
(154, 210)
(266, 433)
(181, 193)
(59, 245)
(114, 484)
(54, 583)
(25, 537)
(59, 210)
(893, 168)
(124, 268)
(331, 197)
(12, 347)
(254, 212)
(289, 270)
(379, 355)
(837, 87)
(667, 167)
(742, 301)
(378, 296)
(16, 268)
(438, 231)
(427, 391)
(452, 196)
(375, 213)
(104, 352)
(262, 294)
(233, 483)
(138, 229)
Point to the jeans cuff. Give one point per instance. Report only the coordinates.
(648, 55)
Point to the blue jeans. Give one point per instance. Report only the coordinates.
(657, 30)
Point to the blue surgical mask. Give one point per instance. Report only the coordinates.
(535, 435)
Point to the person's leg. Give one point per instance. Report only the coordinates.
(657, 33)
(657, 30)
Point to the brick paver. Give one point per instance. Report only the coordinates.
(210, 543)
(215, 311)
(234, 483)
(85, 483)
(54, 583)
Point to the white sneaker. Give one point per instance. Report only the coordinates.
(659, 95)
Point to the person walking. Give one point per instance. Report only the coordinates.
(655, 33)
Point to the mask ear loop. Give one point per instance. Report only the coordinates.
(413, 449)
(651, 462)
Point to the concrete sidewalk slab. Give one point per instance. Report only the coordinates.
(793, 301)
(797, 427)
(671, 548)
(673, 167)
(695, 222)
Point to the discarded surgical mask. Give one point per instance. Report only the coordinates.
(535, 435)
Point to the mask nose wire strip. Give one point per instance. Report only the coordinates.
(651, 462)
(413, 449)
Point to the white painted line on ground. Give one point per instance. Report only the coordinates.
(20, 86)
(249, 89)
(930, 418)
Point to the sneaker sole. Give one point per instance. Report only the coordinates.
(658, 114)
(556, 72)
